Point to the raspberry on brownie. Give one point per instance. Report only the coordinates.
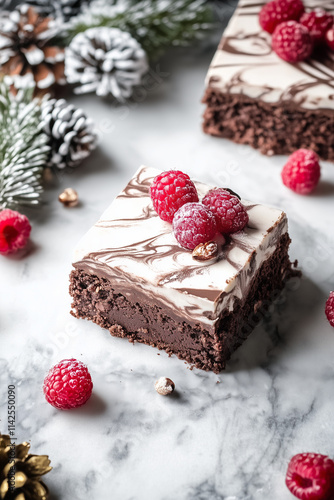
(169, 191)
(318, 22)
(277, 11)
(133, 275)
(229, 211)
(292, 42)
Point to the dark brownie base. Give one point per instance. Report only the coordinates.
(272, 129)
(95, 298)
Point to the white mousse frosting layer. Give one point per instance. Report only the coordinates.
(245, 63)
(136, 250)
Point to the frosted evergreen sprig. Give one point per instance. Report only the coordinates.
(155, 24)
(23, 148)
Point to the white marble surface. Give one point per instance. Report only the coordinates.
(210, 441)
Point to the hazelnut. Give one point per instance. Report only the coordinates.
(69, 197)
(164, 386)
(205, 251)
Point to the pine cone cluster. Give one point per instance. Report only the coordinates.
(26, 49)
(107, 61)
(26, 475)
(71, 133)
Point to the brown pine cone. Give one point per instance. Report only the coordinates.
(27, 52)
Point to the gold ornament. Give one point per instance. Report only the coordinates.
(69, 197)
(20, 472)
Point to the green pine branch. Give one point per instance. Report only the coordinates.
(23, 148)
(155, 24)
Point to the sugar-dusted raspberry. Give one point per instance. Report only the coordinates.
(193, 224)
(318, 22)
(68, 385)
(301, 173)
(169, 191)
(276, 12)
(292, 42)
(231, 215)
(310, 476)
(14, 231)
(329, 310)
(329, 38)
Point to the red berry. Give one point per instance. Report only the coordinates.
(318, 22)
(193, 224)
(230, 213)
(301, 173)
(292, 42)
(329, 38)
(68, 385)
(169, 191)
(310, 476)
(274, 13)
(329, 310)
(14, 231)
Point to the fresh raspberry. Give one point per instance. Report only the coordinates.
(329, 38)
(68, 385)
(318, 22)
(329, 309)
(301, 173)
(310, 476)
(169, 191)
(276, 12)
(193, 224)
(14, 231)
(292, 42)
(231, 215)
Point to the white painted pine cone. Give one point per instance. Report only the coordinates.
(71, 134)
(107, 61)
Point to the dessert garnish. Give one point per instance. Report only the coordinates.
(205, 251)
(295, 32)
(231, 215)
(276, 12)
(169, 191)
(175, 199)
(292, 42)
(193, 224)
